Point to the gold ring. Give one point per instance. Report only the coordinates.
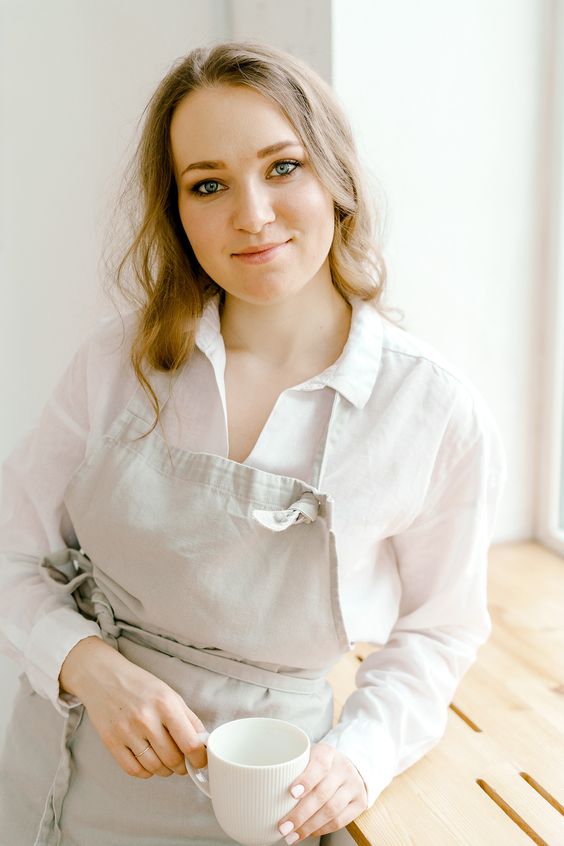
(143, 752)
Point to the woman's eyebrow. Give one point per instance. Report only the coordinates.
(261, 154)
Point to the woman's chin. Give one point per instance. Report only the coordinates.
(264, 293)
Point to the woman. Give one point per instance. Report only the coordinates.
(262, 470)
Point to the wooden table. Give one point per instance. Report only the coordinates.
(497, 776)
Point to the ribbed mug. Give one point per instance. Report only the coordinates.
(251, 764)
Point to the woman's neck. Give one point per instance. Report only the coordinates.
(313, 324)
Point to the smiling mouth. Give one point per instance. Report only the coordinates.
(250, 251)
(261, 254)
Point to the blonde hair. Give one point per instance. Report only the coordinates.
(168, 286)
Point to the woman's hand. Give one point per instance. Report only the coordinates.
(333, 794)
(133, 711)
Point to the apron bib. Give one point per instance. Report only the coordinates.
(218, 578)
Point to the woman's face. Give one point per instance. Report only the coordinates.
(245, 183)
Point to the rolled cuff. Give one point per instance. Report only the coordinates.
(50, 641)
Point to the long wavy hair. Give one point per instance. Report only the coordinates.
(158, 273)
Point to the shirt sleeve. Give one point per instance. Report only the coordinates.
(399, 710)
(38, 628)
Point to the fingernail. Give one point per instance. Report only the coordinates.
(286, 827)
(297, 790)
(292, 838)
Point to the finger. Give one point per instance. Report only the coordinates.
(322, 794)
(350, 813)
(320, 761)
(198, 755)
(167, 750)
(150, 760)
(128, 762)
(184, 729)
(325, 816)
(195, 720)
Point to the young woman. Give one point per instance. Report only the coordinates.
(256, 469)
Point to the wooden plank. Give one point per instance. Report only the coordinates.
(477, 760)
(515, 691)
(520, 727)
(402, 816)
(544, 820)
(537, 652)
(451, 807)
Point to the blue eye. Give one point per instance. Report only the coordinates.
(206, 184)
(207, 187)
(289, 165)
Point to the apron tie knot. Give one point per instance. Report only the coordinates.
(70, 571)
(303, 510)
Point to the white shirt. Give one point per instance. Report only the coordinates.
(416, 477)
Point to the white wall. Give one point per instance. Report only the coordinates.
(302, 27)
(446, 100)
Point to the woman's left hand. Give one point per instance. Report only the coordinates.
(333, 795)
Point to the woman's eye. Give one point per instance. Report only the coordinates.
(210, 186)
(285, 168)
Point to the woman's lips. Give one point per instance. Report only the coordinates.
(263, 256)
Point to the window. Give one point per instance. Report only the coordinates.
(549, 516)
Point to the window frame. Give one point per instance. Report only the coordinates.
(550, 499)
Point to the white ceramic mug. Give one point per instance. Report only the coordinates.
(251, 764)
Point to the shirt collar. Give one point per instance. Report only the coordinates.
(353, 374)
(355, 371)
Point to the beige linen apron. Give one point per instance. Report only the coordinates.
(218, 578)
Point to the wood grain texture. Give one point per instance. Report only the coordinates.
(497, 775)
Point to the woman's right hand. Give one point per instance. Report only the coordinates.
(131, 709)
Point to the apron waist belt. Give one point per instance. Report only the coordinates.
(231, 667)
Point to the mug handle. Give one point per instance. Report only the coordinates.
(200, 777)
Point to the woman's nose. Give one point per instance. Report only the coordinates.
(253, 209)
